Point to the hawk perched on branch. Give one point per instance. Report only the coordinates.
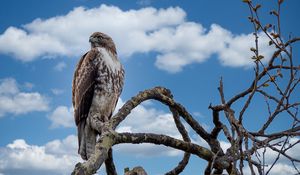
(97, 85)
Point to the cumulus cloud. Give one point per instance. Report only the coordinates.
(68, 34)
(149, 120)
(62, 116)
(283, 169)
(236, 51)
(13, 101)
(67, 146)
(176, 41)
(57, 157)
(278, 169)
(27, 46)
(283, 165)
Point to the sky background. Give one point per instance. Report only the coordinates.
(185, 46)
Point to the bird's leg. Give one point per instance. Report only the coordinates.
(95, 122)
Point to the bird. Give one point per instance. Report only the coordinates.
(97, 84)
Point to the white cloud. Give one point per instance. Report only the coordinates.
(271, 155)
(8, 86)
(13, 101)
(60, 66)
(146, 119)
(26, 46)
(237, 50)
(57, 157)
(283, 169)
(62, 116)
(191, 43)
(283, 165)
(278, 169)
(149, 120)
(176, 41)
(66, 146)
(68, 34)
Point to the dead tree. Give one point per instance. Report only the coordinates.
(275, 80)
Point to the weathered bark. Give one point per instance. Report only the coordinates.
(106, 141)
(109, 164)
(185, 136)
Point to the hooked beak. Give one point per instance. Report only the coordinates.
(90, 39)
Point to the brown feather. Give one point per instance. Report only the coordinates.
(83, 86)
(74, 78)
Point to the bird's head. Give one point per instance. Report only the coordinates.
(99, 39)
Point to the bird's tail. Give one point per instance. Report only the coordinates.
(86, 140)
(81, 139)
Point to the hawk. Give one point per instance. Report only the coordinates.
(97, 85)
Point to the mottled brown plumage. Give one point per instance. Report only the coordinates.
(97, 85)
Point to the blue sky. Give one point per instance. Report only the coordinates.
(185, 46)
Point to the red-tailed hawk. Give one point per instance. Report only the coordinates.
(97, 85)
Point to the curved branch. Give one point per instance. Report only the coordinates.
(135, 101)
(160, 139)
(185, 160)
(164, 96)
(110, 138)
(221, 162)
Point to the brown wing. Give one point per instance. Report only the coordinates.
(75, 78)
(83, 86)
